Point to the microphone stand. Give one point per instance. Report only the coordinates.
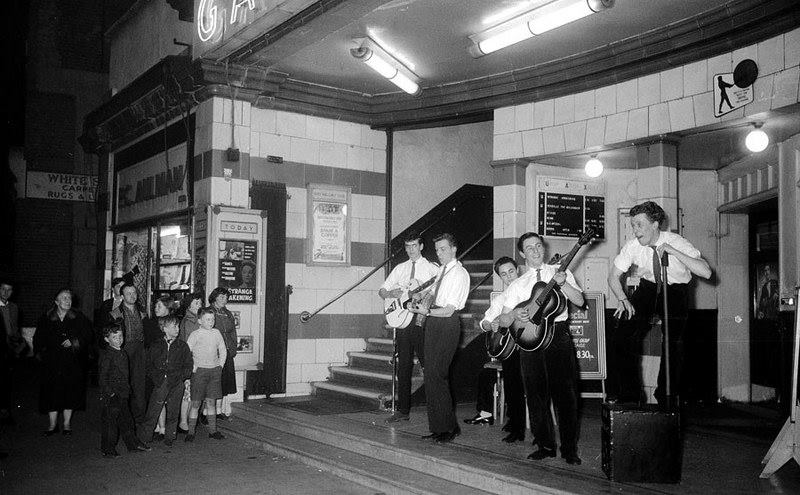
(665, 322)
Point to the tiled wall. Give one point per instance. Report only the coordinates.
(669, 101)
(312, 150)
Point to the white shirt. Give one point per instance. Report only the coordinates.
(453, 288)
(633, 253)
(520, 289)
(424, 270)
(495, 308)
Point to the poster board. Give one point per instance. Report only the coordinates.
(587, 326)
(328, 241)
(237, 269)
(567, 207)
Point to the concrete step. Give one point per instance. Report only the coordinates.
(476, 468)
(372, 396)
(384, 477)
(378, 345)
(356, 377)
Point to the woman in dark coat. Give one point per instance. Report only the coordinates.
(61, 342)
(225, 323)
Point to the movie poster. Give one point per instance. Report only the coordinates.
(328, 226)
(237, 270)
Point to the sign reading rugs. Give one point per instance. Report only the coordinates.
(54, 185)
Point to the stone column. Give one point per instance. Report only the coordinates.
(509, 208)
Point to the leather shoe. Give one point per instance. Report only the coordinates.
(142, 447)
(448, 436)
(182, 431)
(397, 417)
(49, 433)
(540, 454)
(572, 459)
(431, 436)
(507, 427)
(480, 420)
(513, 437)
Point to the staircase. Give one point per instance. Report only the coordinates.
(367, 377)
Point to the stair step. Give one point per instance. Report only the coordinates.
(346, 370)
(381, 476)
(363, 393)
(477, 262)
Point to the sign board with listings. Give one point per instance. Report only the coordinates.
(568, 207)
(55, 185)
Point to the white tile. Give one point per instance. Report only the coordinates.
(294, 274)
(333, 154)
(359, 158)
(503, 198)
(238, 113)
(263, 120)
(361, 206)
(695, 78)
(204, 114)
(304, 150)
(297, 201)
(347, 133)
(297, 389)
(225, 111)
(595, 132)
(378, 207)
(564, 109)
(671, 84)
(704, 109)
(649, 90)
(770, 56)
(325, 296)
(299, 351)
(791, 48)
(721, 64)
(319, 128)
(358, 303)
(254, 143)
(605, 101)
(330, 351)
(543, 113)
(681, 114)
(507, 146)
(523, 115)
(762, 95)
(575, 135)
(497, 225)
(637, 123)
(785, 92)
(584, 105)
(274, 145)
(220, 136)
(218, 107)
(315, 372)
(659, 119)
(616, 128)
(202, 138)
(627, 95)
(296, 225)
(513, 223)
(321, 277)
(734, 115)
(750, 52)
(532, 144)
(553, 139)
(354, 229)
(293, 374)
(290, 124)
(504, 120)
(379, 161)
(371, 230)
(371, 138)
(242, 134)
(247, 110)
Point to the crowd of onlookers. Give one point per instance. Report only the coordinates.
(158, 374)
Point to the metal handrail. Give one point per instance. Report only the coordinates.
(305, 315)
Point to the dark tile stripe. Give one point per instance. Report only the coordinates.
(325, 326)
(295, 174)
(361, 253)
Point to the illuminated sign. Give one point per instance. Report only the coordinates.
(150, 188)
(213, 21)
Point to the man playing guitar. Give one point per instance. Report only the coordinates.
(549, 372)
(410, 339)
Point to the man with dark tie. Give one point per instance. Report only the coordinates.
(635, 312)
(410, 339)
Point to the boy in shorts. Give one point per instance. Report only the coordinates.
(208, 352)
(168, 362)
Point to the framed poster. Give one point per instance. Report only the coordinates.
(328, 225)
(588, 329)
(237, 269)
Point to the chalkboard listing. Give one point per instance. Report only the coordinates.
(569, 215)
(587, 326)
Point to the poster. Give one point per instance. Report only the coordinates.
(587, 326)
(767, 300)
(328, 222)
(237, 270)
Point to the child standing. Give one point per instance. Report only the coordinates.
(209, 354)
(169, 366)
(115, 390)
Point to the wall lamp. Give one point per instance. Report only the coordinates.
(756, 140)
(384, 64)
(534, 22)
(593, 167)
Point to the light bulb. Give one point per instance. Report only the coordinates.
(593, 167)
(757, 140)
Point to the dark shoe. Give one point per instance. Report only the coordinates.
(189, 438)
(67, 431)
(182, 431)
(572, 459)
(397, 417)
(431, 436)
(168, 442)
(480, 420)
(448, 436)
(542, 454)
(49, 433)
(111, 454)
(513, 437)
(157, 437)
(202, 419)
(216, 435)
(507, 427)
(141, 447)
(222, 417)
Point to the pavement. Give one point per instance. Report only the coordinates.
(73, 464)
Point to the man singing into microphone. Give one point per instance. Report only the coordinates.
(635, 313)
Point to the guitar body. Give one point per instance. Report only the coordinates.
(396, 310)
(499, 344)
(543, 306)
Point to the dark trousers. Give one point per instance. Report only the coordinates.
(410, 341)
(626, 343)
(161, 396)
(115, 418)
(515, 393)
(441, 342)
(135, 352)
(486, 380)
(552, 374)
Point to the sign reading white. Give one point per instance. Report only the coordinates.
(150, 188)
(329, 232)
(54, 185)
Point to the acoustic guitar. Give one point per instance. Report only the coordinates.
(546, 302)
(396, 309)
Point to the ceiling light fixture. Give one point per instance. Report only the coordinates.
(387, 66)
(757, 140)
(593, 167)
(534, 22)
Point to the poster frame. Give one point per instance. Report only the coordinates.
(312, 192)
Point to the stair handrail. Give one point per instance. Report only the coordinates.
(305, 315)
(479, 283)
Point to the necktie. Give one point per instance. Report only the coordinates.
(413, 270)
(656, 269)
(538, 274)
